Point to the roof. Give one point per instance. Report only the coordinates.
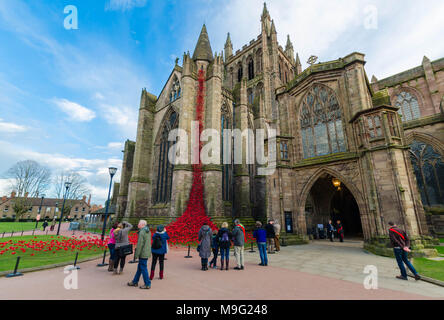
(203, 49)
(111, 210)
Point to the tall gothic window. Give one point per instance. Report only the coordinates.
(162, 192)
(239, 73)
(429, 170)
(175, 90)
(408, 106)
(321, 123)
(250, 69)
(227, 168)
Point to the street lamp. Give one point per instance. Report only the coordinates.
(112, 172)
(67, 185)
(40, 210)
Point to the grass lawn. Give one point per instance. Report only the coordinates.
(17, 226)
(429, 268)
(32, 258)
(440, 249)
(441, 240)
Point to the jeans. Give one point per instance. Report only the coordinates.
(239, 253)
(142, 269)
(262, 246)
(214, 260)
(119, 258)
(402, 257)
(225, 254)
(112, 251)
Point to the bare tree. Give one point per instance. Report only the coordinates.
(21, 206)
(29, 177)
(78, 187)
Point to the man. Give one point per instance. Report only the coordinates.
(261, 238)
(330, 230)
(277, 232)
(239, 238)
(44, 225)
(401, 244)
(143, 253)
(270, 236)
(340, 230)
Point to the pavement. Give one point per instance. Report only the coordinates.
(319, 270)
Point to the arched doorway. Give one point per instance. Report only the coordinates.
(328, 199)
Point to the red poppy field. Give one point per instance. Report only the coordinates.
(37, 251)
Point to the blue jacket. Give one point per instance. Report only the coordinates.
(215, 242)
(164, 237)
(260, 235)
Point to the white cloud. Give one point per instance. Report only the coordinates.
(124, 4)
(115, 145)
(9, 127)
(75, 111)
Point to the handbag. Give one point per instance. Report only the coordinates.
(126, 250)
(198, 248)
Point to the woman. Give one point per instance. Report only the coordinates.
(112, 247)
(224, 237)
(204, 238)
(261, 239)
(121, 240)
(159, 253)
(215, 249)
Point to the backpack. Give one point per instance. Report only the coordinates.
(224, 237)
(157, 243)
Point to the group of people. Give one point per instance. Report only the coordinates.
(337, 229)
(119, 247)
(220, 242)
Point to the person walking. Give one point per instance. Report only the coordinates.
(224, 237)
(277, 232)
(330, 230)
(340, 230)
(121, 240)
(44, 225)
(143, 253)
(401, 247)
(261, 239)
(159, 249)
(53, 223)
(204, 238)
(215, 249)
(239, 239)
(270, 236)
(112, 247)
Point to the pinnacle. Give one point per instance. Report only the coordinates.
(203, 47)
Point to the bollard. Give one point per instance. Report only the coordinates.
(15, 273)
(134, 258)
(3, 235)
(251, 250)
(75, 267)
(188, 256)
(12, 233)
(22, 234)
(103, 264)
(283, 243)
(33, 231)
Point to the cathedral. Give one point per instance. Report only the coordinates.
(363, 152)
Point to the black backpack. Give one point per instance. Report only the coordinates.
(157, 242)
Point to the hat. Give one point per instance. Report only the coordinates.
(160, 228)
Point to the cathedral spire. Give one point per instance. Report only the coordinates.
(289, 51)
(228, 47)
(265, 12)
(203, 49)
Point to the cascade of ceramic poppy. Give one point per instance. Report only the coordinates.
(185, 229)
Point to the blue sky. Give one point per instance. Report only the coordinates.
(69, 98)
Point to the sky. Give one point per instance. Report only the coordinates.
(69, 98)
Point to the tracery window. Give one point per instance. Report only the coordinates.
(284, 150)
(393, 124)
(239, 73)
(408, 106)
(250, 69)
(162, 192)
(176, 90)
(374, 126)
(227, 168)
(321, 123)
(429, 170)
(250, 94)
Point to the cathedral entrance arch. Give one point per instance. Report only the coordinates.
(328, 197)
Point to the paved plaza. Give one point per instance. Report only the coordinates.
(319, 270)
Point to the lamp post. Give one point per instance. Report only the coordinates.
(67, 185)
(39, 214)
(112, 172)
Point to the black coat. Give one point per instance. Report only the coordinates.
(224, 244)
(270, 231)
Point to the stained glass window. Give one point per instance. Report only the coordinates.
(250, 69)
(162, 191)
(429, 170)
(408, 106)
(284, 150)
(175, 90)
(321, 123)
